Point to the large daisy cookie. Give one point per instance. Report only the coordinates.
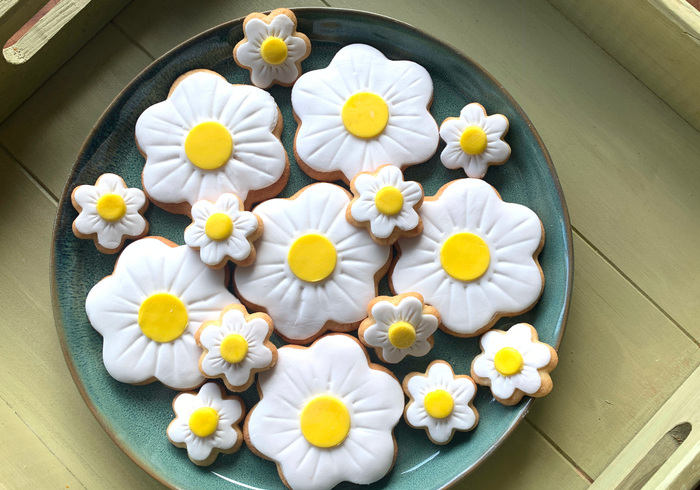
(272, 49)
(206, 423)
(514, 363)
(149, 310)
(363, 111)
(110, 212)
(440, 402)
(325, 415)
(313, 270)
(476, 259)
(208, 138)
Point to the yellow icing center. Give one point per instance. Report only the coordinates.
(312, 257)
(473, 140)
(508, 361)
(402, 335)
(218, 226)
(439, 404)
(273, 50)
(111, 207)
(209, 145)
(325, 421)
(162, 317)
(365, 115)
(234, 348)
(465, 256)
(389, 200)
(203, 421)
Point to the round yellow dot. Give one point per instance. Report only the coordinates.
(365, 115)
(465, 256)
(111, 207)
(389, 200)
(203, 421)
(402, 335)
(508, 361)
(273, 50)
(473, 140)
(218, 226)
(234, 348)
(312, 257)
(162, 317)
(439, 404)
(209, 145)
(325, 421)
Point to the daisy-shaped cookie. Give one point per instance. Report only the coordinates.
(313, 271)
(514, 363)
(149, 309)
(476, 259)
(326, 415)
(440, 402)
(236, 346)
(474, 140)
(272, 49)
(399, 326)
(363, 111)
(206, 423)
(385, 204)
(110, 212)
(222, 231)
(208, 138)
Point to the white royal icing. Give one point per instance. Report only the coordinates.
(513, 233)
(298, 308)
(250, 114)
(110, 234)
(323, 143)
(462, 389)
(145, 267)
(335, 365)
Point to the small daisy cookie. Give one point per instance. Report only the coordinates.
(385, 204)
(206, 423)
(272, 49)
(474, 141)
(399, 326)
(222, 231)
(326, 415)
(209, 138)
(476, 259)
(236, 346)
(514, 363)
(110, 212)
(149, 310)
(440, 402)
(313, 270)
(361, 112)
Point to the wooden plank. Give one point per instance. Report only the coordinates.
(14, 14)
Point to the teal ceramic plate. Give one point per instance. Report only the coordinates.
(136, 416)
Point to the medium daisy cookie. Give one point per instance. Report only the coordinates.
(209, 138)
(313, 271)
(476, 259)
(385, 204)
(149, 310)
(514, 363)
(206, 423)
(110, 212)
(272, 49)
(474, 141)
(326, 415)
(440, 402)
(236, 346)
(399, 326)
(222, 231)
(361, 112)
